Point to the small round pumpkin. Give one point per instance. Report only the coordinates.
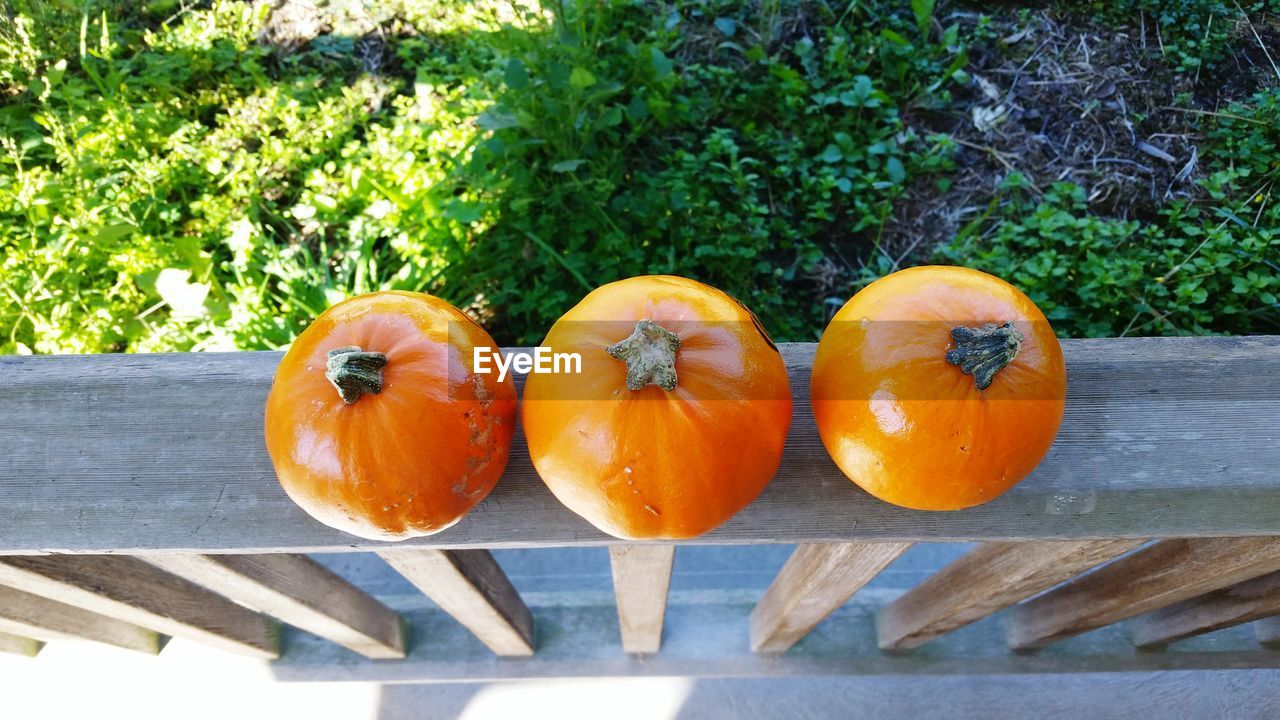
(677, 419)
(376, 423)
(938, 388)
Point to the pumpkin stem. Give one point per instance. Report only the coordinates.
(355, 372)
(650, 355)
(984, 351)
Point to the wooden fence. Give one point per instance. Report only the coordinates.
(137, 502)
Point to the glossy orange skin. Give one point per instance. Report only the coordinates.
(911, 428)
(411, 460)
(652, 463)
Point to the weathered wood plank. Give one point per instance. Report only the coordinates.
(707, 638)
(641, 578)
(1248, 601)
(815, 581)
(298, 591)
(991, 577)
(18, 645)
(1268, 631)
(1163, 437)
(1165, 573)
(129, 589)
(40, 618)
(470, 586)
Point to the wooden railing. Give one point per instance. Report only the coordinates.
(137, 502)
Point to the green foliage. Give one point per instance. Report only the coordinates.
(170, 182)
(616, 157)
(181, 185)
(1196, 270)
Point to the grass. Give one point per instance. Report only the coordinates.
(212, 177)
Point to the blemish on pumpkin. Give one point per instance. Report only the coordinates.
(653, 510)
(481, 392)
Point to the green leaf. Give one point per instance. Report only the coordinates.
(581, 78)
(831, 154)
(894, 37)
(726, 26)
(610, 117)
(897, 173)
(662, 64)
(109, 233)
(844, 185)
(923, 10)
(515, 75)
(565, 166)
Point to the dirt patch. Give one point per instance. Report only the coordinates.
(1059, 98)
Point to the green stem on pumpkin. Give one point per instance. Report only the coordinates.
(984, 351)
(354, 372)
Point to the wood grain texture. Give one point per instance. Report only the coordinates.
(989, 578)
(1163, 437)
(1165, 573)
(1268, 631)
(129, 589)
(33, 616)
(641, 578)
(1248, 601)
(470, 586)
(18, 645)
(815, 581)
(299, 591)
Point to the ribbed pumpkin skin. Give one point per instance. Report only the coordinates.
(409, 461)
(654, 463)
(909, 427)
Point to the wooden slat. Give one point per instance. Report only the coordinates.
(815, 582)
(18, 645)
(470, 586)
(129, 589)
(641, 577)
(22, 613)
(1163, 437)
(991, 577)
(298, 591)
(1168, 572)
(1248, 601)
(1268, 631)
(706, 637)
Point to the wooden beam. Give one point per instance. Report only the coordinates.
(991, 577)
(129, 589)
(1248, 601)
(815, 581)
(28, 615)
(1163, 437)
(18, 645)
(1268, 631)
(300, 592)
(1168, 572)
(641, 577)
(470, 586)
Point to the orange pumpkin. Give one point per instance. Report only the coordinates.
(377, 424)
(938, 388)
(677, 419)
